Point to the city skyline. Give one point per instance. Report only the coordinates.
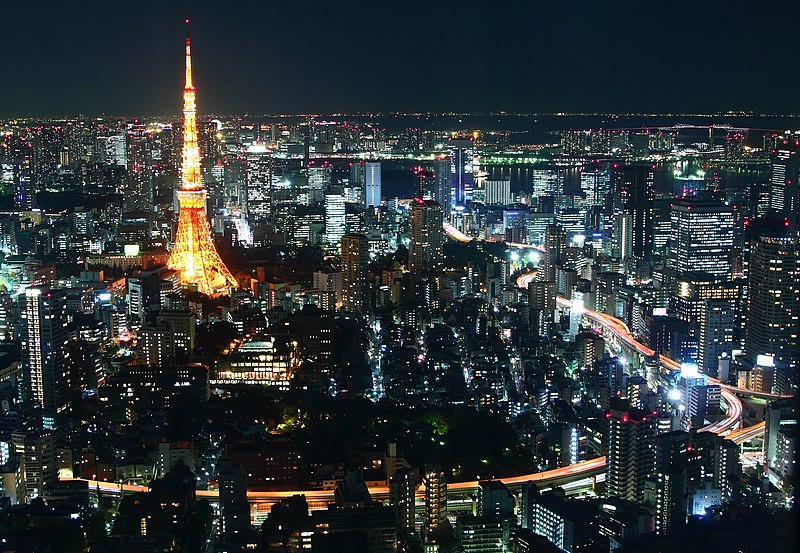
(566, 333)
(321, 58)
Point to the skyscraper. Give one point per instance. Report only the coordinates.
(772, 326)
(435, 499)
(717, 327)
(784, 195)
(460, 152)
(634, 186)
(402, 488)
(20, 154)
(257, 200)
(555, 242)
(355, 263)
(498, 192)
(44, 340)
(702, 237)
(629, 460)
(595, 185)
(373, 184)
(335, 216)
(622, 236)
(427, 236)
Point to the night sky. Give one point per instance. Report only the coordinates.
(293, 56)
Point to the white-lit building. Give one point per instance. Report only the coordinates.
(372, 196)
(335, 219)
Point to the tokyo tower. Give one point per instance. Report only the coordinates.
(194, 254)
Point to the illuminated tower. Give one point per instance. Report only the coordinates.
(194, 254)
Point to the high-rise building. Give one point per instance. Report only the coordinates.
(36, 450)
(20, 155)
(734, 144)
(622, 236)
(335, 219)
(555, 243)
(498, 192)
(669, 481)
(157, 345)
(546, 182)
(717, 330)
(435, 499)
(402, 495)
(460, 152)
(634, 186)
(257, 201)
(441, 185)
(355, 264)
(372, 195)
(494, 499)
(629, 459)
(427, 236)
(596, 185)
(115, 150)
(784, 193)
(702, 237)
(44, 339)
(772, 326)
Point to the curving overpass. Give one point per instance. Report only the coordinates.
(459, 236)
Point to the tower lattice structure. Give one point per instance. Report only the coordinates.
(194, 254)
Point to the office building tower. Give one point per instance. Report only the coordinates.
(157, 345)
(494, 499)
(335, 219)
(442, 181)
(9, 318)
(781, 418)
(138, 189)
(427, 236)
(498, 192)
(20, 156)
(784, 193)
(357, 180)
(546, 182)
(717, 324)
(257, 200)
(460, 152)
(435, 500)
(772, 326)
(426, 185)
(402, 496)
(629, 458)
(622, 237)
(735, 141)
(355, 264)
(702, 237)
(483, 534)
(115, 151)
(596, 185)
(329, 282)
(634, 187)
(555, 243)
(44, 339)
(669, 481)
(573, 221)
(372, 194)
(36, 451)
